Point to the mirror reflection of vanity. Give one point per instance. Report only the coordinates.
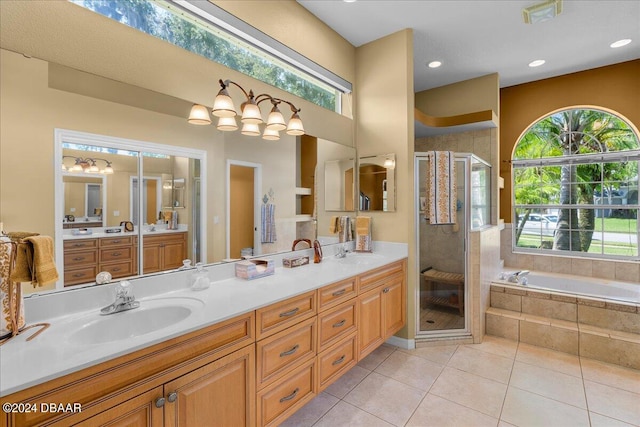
(339, 177)
(376, 179)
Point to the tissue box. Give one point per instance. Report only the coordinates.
(255, 268)
(295, 261)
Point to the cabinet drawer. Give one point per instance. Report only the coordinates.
(118, 269)
(80, 275)
(280, 316)
(80, 244)
(115, 241)
(80, 258)
(378, 276)
(336, 360)
(333, 294)
(276, 403)
(334, 324)
(278, 353)
(116, 254)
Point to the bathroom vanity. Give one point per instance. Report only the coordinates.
(249, 352)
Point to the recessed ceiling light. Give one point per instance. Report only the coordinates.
(434, 64)
(349, 1)
(537, 63)
(620, 43)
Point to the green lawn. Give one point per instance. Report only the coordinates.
(610, 248)
(617, 225)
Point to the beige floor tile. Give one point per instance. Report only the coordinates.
(525, 409)
(598, 420)
(439, 354)
(505, 424)
(470, 390)
(613, 402)
(487, 365)
(347, 382)
(411, 370)
(344, 414)
(611, 375)
(312, 411)
(436, 411)
(498, 346)
(376, 357)
(545, 382)
(385, 398)
(551, 359)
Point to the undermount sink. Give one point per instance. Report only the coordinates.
(151, 316)
(358, 258)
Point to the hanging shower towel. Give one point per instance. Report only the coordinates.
(363, 234)
(442, 189)
(268, 215)
(34, 261)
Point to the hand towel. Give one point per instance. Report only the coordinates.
(333, 225)
(363, 234)
(9, 303)
(268, 220)
(345, 231)
(34, 261)
(441, 188)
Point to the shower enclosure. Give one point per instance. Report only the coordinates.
(443, 250)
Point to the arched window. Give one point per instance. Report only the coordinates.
(575, 185)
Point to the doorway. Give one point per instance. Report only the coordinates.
(243, 208)
(151, 200)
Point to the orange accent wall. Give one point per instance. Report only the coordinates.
(615, 87)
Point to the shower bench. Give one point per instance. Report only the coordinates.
(435, 279)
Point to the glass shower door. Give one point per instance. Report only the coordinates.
(442, 260)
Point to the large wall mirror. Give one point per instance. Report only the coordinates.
(126, 207)
(377, 183)
(339, 176)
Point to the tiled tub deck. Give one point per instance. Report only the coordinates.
(597, 329)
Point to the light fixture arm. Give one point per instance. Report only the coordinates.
(226, 83)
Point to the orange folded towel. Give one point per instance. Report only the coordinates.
(363, 225)
(34, 261)
(333, 225)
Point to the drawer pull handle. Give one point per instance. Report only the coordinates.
(115, 241)
(386, 290)
(290, 352)
(116, 269)
(291, 396)
(338, 361)
(79, 245)
(290, 312)
(172, 397)
(160, 402)
(116, 254)
(339, 324)
(78, 275)
(338, 293)
(78, 258)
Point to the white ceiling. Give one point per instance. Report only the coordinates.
(473, 38)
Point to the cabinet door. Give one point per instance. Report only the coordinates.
(370, 333)
(172, 254)
(141, 411)
(393, 306)
(221, 393)
(151, 258)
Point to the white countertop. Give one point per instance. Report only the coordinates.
(99, 232)
(54, 353)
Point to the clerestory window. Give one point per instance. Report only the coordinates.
(575, 186)
(181, 22)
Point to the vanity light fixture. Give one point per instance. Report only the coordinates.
(542, 11)
(389, 163)
(87, 165)
(251, 118)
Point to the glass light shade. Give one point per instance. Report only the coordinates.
(270, 134)
(295, 125)
(64, 168)
(199, 115)
(93, 168)
(108, 170)
(276, 122)
(223, 105)
(389, 163)
(227, 124)
(76, 168)
(250, 129)
(251, 113)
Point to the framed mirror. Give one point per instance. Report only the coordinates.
(377, 183)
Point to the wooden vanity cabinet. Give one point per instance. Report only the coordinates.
(382, 306)
(164, 251)
(80, 261)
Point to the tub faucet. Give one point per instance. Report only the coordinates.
(518, 277)
(125, 300)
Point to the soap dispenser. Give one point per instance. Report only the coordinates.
(199, 278)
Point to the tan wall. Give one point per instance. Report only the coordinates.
(384, 120)
(616, 87)
(469, 96)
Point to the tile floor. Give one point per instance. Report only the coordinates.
(497, 383)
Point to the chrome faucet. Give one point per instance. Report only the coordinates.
(125, 300)
(518, 277)
(342, 251)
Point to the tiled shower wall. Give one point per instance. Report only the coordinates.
(627, 271)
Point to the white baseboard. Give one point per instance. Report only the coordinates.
(402, 342)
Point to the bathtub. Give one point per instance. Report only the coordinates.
(580, 286)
